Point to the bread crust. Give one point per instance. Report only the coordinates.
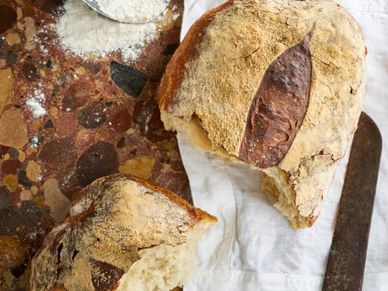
(196, 213)
(238, 43)
(176, 69)
(113, 223)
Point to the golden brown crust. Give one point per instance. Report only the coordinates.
(236, 48)
(187, 51)
(278, 108)
(113, 224)
(196, 213)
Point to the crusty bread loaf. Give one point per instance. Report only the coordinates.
(122, 233)
(275, 84)
(67, 120)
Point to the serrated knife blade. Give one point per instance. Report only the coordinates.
(345, 267)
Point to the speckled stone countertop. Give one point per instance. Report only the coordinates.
(101, 119)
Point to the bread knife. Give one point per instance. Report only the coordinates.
(345, 267)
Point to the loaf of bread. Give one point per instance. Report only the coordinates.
(122, 233)
(67, 120)
(275, 84)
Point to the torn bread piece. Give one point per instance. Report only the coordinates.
(274, 84)
(122, 233)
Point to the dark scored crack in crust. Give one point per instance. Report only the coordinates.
(278, 109)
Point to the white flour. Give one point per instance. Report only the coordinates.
(35, 103)
(133, 11)
(84, 32)
(34, 141)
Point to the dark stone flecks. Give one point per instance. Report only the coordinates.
(30, 72)
(13, 153)
(58, 155)
(10, 221)
(76, 96)
(49, 64)
(121, 121)
(23, 179)
(146, 115)
(7, 18)
(4, 198)
(93, 67)
(30, 211)
(3, 150)
(121, 143)
(99, 160)
(92, 116)
(142, 113)
(68, 184)
(11, 58)
(130, 80)
(10, 167)
(49, 5)
(49, 124)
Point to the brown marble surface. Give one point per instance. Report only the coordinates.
(101, 119)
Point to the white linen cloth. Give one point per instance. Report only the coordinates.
(252, 246)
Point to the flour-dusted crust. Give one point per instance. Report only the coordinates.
(177, 69)
(216, 73)
(122, 231)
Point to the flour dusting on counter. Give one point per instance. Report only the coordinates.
(35, 103)
(132, 11)
(84, 32)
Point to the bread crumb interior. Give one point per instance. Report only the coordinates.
(163, 267)
(274, 180)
